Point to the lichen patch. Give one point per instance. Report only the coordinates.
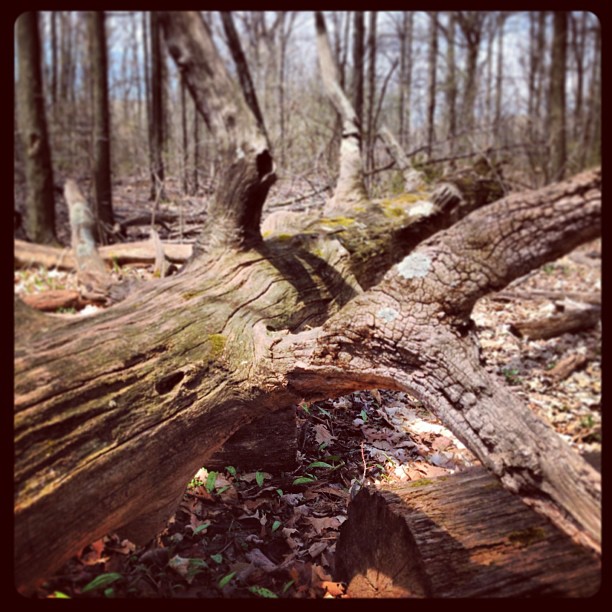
(414, 265)
(388, 314)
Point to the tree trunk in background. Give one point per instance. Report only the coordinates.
(371, 128)
(591, 142)
(556, 98)
(358, 63)
(40, 203)
(431, 98)
(498, 130)
(405, 78)
(578, 25)
(471, 24)
(242, 68)
(350, 188)
(451, 87)
(54, 15)
(157, 118)
(535, 129)
(103, 206)
(196, 150)
(185, 155)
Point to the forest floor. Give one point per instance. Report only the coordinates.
(264, 535)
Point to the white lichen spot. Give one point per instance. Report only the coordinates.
(388, 314)
(421, 208)
(112, 404)
(414, 265)
(239, 153)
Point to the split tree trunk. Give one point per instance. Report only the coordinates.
(115, 413)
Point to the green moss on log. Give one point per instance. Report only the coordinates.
(217, 344)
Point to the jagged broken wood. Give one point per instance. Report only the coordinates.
(461, 535)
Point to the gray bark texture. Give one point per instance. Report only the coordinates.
(40, 205)
(115, 413)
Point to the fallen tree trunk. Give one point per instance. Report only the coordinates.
(571, 321)
(114, 414)
(28, 254)
(457, 536)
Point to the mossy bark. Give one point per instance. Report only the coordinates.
(114, 413)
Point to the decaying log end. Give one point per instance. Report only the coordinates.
(462, 535)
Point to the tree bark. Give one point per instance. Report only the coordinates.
(108, 428)
(157, 114)
(350, 189)
(556, 98)
(242, 68)
(358, 65)
(40, 204)
(451, 87)
(115, 413)
(102, 156)
(431, 98)
(457, 536)
(248, 169)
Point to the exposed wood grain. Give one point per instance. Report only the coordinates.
(457, 536)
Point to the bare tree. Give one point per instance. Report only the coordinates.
(556, 98)
(350, 189)
(451, 85)
(432, 63)
(157, 116)
(358, 65)
(101, 128)
(472, 28)
(40, 205)
(405, 78)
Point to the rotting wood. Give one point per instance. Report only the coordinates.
(27, 254)
(269, 444)
(461, 535)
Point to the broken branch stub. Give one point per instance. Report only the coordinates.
(247, 166)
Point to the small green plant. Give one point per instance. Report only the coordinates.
(263, 592)
(218, 559)
(275, 525)
(230, 469)
(511, 375)
(210, 481)
(101, 581)
(226, 579)
(304, 479)
(325, 412)
(364, 415)
(320, 464)
(259, 478)
(63, 310)
(201, 527)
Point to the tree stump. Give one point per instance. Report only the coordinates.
(457, 536)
